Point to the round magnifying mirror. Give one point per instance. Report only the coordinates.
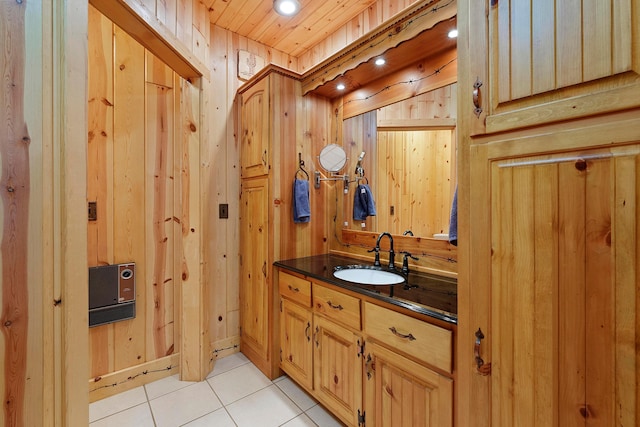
(332, 158)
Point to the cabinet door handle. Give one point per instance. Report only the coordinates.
(306, 331)
(292, 289)
(395, 332)
(483, 368)
(315, 336)
(264, 158)
(335, 307)
(369, 368)
(477, 97)
(264, 269)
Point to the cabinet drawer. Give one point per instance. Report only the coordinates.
(430, 343)
(295, 288)
(337, 306)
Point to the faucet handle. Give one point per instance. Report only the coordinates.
(405, 261)
(376, 262)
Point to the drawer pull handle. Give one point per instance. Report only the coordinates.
(483, 368)
(336, 307)
(292, 289)
(395, 332)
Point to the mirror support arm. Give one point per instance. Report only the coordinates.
(317, 178)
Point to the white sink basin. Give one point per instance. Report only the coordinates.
(367, 276)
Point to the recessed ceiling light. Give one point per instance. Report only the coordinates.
(380, 61)
(453, 34)
(340, 86)
(286, 7)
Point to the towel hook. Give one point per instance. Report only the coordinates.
(301, 166)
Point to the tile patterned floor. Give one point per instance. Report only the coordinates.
(235, 394)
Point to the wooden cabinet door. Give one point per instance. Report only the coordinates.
(296, 347)
(547, 61)
(400, 392)
(338, 369)
(562, 304)
(255, 130)
(254, 265)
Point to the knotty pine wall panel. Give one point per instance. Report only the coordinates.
(128, 190)
(43, 345)
(159, 202)
(220, 182)
(132, 108)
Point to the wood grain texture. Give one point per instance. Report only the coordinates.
(337, 376)
(194, 314)
(15, 181)
(529, 85)
(127, 345)
(400, 392)
(159, 193)
(159, 33)
(555, 334)
(100, 148)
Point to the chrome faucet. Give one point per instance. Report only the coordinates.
(392, 253)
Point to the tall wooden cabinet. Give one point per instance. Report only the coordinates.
(255, 286)
(548, 279)
(267, 130)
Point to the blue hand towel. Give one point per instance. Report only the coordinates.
(301, 208)
(363, 204)
(453, 220)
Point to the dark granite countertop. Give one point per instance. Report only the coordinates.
(435, 296)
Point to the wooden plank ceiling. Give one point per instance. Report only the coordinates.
(256, 20)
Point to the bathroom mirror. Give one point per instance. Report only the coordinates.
(332, 158)
(410, 164)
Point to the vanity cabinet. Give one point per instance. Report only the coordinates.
(267, 123)
(337, 371)
(371, 365)
(398, 390)
(548, 214)
(401, 392)
(542, 62)
(296, 329)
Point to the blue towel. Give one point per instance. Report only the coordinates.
(301, 208)
(363, 204)
(453, 220)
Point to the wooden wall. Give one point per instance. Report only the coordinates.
(43, 345)
(141, 166)
(221, 181)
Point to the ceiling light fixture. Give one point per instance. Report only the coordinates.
(380, 61)
(453, 34)
(286, 7)
(340, 86)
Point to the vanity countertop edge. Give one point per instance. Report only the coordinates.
(430, 295)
